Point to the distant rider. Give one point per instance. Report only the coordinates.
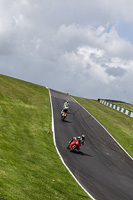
(66, 106)
(63, 111)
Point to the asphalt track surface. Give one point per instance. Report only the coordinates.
(101, 166)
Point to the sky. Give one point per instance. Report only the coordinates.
(81, 47)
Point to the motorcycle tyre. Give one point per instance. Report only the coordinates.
(62, 118)
(72, 149)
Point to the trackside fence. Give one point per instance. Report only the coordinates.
(118, 108)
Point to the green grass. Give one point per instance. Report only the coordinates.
(30, 168)
(117, 123)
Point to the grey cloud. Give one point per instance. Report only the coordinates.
(117, 71)
(39, 42)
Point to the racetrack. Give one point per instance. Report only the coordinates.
(101, 166)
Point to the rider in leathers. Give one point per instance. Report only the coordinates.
(66, 104)
(81, 140)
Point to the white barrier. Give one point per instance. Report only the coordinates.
(118, 108)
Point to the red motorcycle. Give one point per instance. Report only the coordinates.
(74, 145)
(63, 115)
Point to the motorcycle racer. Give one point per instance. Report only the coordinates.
(66, 106)
(63, 114)
(81, 140)
(66, 103)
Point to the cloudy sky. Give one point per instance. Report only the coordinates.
(83, 47)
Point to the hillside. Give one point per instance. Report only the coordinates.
(30, 168)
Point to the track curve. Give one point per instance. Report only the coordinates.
(101, 166)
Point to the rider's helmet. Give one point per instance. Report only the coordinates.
(83, 136)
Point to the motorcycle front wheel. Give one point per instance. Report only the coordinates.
(73, 148)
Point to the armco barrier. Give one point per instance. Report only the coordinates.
(120, 109)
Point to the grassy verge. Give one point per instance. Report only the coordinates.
(117, 123)
(30, 168)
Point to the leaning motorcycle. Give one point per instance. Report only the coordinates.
(63, 115)
(74, 145)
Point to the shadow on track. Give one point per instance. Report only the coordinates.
(81, 153)
(67, 121)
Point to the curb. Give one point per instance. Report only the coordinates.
(118, 108)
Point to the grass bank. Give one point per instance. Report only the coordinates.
(30, 168)
(117, 123)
